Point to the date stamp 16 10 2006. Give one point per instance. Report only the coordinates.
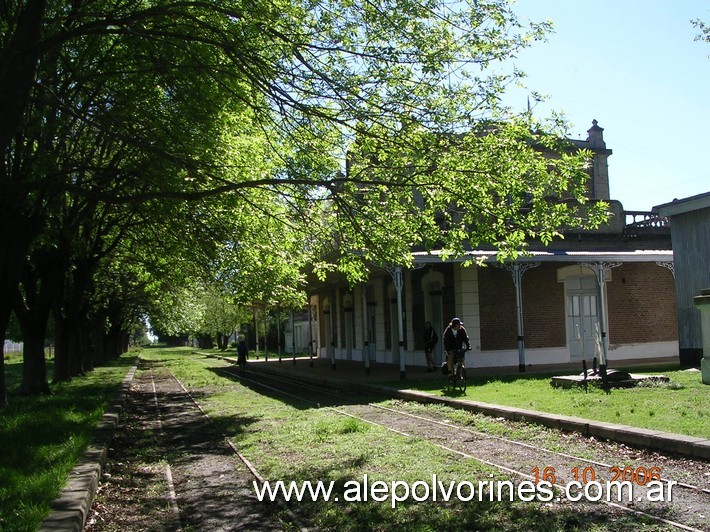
(613, 483)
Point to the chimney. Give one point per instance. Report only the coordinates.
(595, 137)
(600, 166)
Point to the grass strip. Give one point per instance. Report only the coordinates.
(42, 438)
(292, 440)
(681, 406)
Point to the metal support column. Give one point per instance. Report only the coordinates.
(400, 324)
(365, 325)
(396, 273)
(278, 332)
(256, 330)
(293, 338)
(266, 330)
(517, 280)
(517, 270)
(310, 331)
(600, 269)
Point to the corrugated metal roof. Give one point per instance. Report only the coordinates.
(640, 255)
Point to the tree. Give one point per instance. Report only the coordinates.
(257, 104)
(704, 34)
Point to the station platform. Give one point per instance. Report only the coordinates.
(378, 372)
(386, 379)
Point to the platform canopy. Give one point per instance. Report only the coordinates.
(641, 255)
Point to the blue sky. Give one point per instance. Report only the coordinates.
(634, 67)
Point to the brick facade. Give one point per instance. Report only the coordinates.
(543, 308)
(497, 299)
(641, 306)
(641, 302)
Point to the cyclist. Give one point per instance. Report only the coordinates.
(456, 342)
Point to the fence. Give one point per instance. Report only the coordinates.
(12, 347)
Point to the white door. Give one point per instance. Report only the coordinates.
(437, 322)
(298, 338)
(582, 317)
(371, 329)
(349, 339)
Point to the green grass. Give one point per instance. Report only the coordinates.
(41, 439)
(12, 355)
(682, 406)
(231, 352)
(288, 439)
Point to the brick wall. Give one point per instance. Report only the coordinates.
(637, 314)
(641, 302)
(496, 294)
(543, 308)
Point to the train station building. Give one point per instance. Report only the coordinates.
(607, 294)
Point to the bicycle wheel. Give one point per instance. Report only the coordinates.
(451, 382)
(461, 379)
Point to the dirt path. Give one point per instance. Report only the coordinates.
(165, 445)
(169, 468)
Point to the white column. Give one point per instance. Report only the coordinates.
(702, 303)
(467, 303)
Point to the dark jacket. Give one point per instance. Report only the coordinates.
(242, 348)
(430, 338)
(456, 341)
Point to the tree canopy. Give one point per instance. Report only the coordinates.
(704, 34)
(149, 145)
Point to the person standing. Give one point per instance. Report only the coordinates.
(456, 342)
(430, 341)
(242, 353)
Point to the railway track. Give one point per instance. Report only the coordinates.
(647, 475)
(170, 468)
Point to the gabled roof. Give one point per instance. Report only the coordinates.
(681, 206)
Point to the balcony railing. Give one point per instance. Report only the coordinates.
(644, 222)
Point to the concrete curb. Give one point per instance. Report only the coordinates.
(71, 509)
(687, 446)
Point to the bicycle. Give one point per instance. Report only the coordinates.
(457, 377)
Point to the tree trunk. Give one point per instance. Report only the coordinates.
(222, 341)
(5, 310)
(87, 348)
(125, 343)
(18, 63)
(206, 341)
(34, 366)
(101, 341)
(41, 279)
(75, 312)
(68, 356)
(15, 238)
(62, 371)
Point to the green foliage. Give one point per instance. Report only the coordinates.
(43, 437)
(704, 34)
(496, 186)
(325, 429)
(172, 145)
